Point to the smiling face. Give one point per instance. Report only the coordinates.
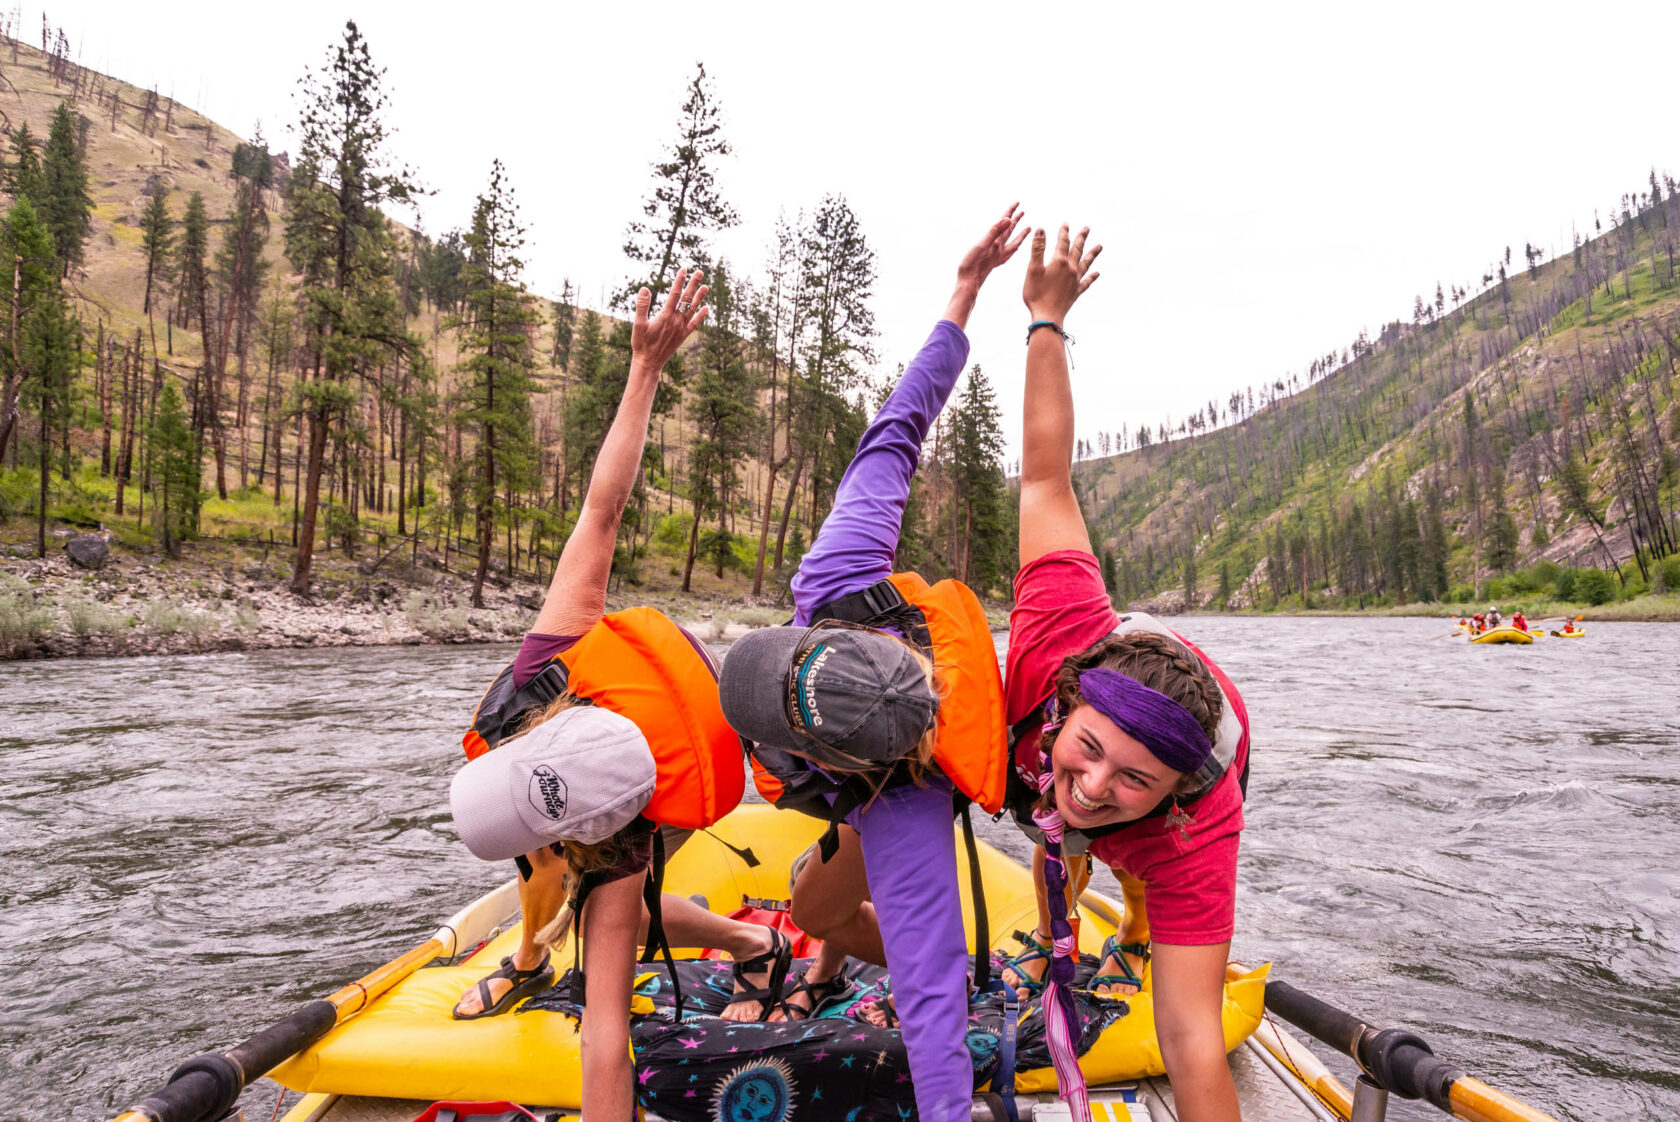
(1103, 775)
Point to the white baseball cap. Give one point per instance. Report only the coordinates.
(580, 776)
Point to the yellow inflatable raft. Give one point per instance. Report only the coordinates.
(406, 1045)
(1576, 634)
(1503, 635)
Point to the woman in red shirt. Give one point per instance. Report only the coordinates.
(1129, 744)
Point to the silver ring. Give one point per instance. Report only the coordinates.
(682, 305)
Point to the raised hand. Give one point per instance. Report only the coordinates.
(1052, 286)
(654, 341)
(998, 246)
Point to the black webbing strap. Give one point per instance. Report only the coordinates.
(580, 895)
(982, 922)
(652, 887)
(854, 792)
(880, 605)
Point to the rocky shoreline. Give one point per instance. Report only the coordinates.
(225, 599)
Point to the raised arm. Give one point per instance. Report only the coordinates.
(857, 541)
(577, 596)
(1050, 514)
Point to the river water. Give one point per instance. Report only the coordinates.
(1479, 843)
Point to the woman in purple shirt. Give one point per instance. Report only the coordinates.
(846, 706)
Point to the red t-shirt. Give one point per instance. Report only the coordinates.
(1189, 878)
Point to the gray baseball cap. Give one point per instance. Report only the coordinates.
(847, 698)
(582, 775)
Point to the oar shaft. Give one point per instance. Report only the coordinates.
(1398, 1061)
(208, 1085)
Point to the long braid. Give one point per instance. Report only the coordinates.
(1161, 663)
(1061, 1020)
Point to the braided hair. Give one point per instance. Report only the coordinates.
(1167, 666)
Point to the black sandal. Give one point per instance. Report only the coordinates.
(525, 984)
(777, 960)
(823, 995)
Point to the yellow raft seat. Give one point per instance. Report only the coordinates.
(406, 1044)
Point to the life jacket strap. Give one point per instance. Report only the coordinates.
(762, 904)
(652, 888)
(880, 605)
(977, 891)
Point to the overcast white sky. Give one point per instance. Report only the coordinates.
(1266, 178)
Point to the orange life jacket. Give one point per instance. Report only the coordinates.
(640, 665)
(948, 624)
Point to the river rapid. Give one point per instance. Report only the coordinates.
(1479, 843)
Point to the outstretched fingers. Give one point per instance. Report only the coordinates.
(675, 296)
(644, 301)
(1062, 242)
(1037, 259)
(699, 313)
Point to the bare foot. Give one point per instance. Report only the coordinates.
(1018, 973)
(470, 1005)
(757, 979)
(875, 1012)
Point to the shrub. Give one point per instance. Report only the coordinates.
(1563, 587)
(247, 618)
(1595, 586)
(672, 532)
(1667, 575)
(162, 618)
(759, 617)
(23, 622)
(1544, 574)
(1460, 594)
(86, 617)
(1498, 588)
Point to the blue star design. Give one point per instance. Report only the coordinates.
(847, 1062)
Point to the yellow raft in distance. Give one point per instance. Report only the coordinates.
(1503, 635)
(1576, 634)
(406, 1045)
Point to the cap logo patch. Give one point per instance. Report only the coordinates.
(807, 691)
(548, 792)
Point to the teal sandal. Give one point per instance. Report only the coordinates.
(1113, 948)
(1032, 950)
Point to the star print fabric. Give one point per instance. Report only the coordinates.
(835, 1066)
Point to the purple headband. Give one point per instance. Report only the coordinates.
(1152, 718)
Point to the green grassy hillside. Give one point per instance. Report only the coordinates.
(1370, 485)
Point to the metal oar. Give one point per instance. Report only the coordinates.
(207, 1086)
(1395, 1061)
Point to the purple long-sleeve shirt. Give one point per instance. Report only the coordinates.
(909, 850)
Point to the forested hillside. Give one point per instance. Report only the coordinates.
(212, 340)
(1506, 435)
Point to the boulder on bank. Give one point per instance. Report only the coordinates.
(88, 551)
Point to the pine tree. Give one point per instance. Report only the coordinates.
(838, 268)
(28, 244)
(241, 266)
(723, 414)
(496, 328)
(1501, 548)
(66, 203)
(24, 179)
(977, 446)
(157, 239)
(173, 466)
(684, 205)
(337, 240)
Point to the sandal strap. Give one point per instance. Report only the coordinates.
(513, 974)
(820, 993)
(1113, 948)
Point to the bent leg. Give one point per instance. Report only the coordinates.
(540, 900)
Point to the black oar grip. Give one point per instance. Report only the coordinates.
(207, 1086)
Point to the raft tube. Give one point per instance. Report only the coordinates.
(1503, 635)
(406, 1044)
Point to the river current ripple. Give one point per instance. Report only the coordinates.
(1479, 843)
